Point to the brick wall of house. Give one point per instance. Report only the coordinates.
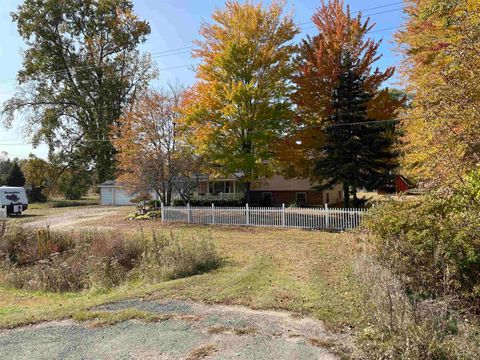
(315, 197)
(286, 197)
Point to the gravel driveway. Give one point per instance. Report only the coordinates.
(195, 331)
(74, 217)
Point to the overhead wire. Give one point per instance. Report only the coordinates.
(372, 122)
(183, 50)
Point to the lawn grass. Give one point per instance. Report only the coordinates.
(62, 203)
(306, 272)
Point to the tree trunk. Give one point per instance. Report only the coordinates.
(247, 192)
(346, 195)
(355, 199)
(168, 199)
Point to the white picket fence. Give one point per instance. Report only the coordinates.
(3, 213)
(289, 217)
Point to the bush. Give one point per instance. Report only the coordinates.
(74, 184)
(59, 261)
(219, 203)
(57, 274)
(144, 215)
(398, 327)
(432, 245)
(155, 204)
(421, 287)
(36, 195)
(20, 246)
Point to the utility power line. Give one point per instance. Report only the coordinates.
(171, 52)
(362, 10)
(195, 64)
(373, 122)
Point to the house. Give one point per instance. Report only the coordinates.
(274, 191)
(278, 190)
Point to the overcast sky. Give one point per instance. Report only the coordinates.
(174, 24)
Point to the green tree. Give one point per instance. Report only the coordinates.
(80, 69)
(74, 184)
(15, 175)
(5, 165)
(38, 175)
(357, 152)
(240, 105)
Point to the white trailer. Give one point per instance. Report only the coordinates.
(13, 199)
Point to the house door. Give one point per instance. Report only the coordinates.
(301, 198)
(267, 199)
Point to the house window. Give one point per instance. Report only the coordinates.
(301, 198)
(267, 199)
(327, 197)
(202, 188)
(217, 187)
(339, 194)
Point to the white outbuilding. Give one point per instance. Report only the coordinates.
(113, 194)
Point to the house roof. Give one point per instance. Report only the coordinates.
(110, 183)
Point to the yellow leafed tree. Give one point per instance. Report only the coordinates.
(239, 106)
(441, 44)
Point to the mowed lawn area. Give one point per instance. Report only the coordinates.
(305, 272)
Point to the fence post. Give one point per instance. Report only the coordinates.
(188, 212)
(283, 215)
(327, 218)
(162, 211)
(247, 214)
(213, 213)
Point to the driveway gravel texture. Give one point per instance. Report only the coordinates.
(193, 331)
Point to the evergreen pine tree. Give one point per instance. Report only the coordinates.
(356, 152)
(15, 176)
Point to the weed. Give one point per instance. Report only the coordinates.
(61, 261)
(244, 331)
(104, 318)
(171, 257)
(202, 352)
(215, 330)
(397, 326)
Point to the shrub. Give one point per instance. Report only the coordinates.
(155, 204)
(219, 203)
(36, 195)
(170, 257)
(421, 288)
(21, 246)
(114, 246)
(398, 327)
(144, 215)
(74, 184)
(432, 245)
(59, 261)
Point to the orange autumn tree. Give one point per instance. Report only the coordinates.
(240, 105)
(152, 152)
(318, 70)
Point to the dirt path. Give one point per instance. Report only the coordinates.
(68, 218)
(192, 331)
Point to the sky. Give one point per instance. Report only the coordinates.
(174, 24)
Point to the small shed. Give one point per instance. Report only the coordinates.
(402, 184)
(113, 194)
(399, 184)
